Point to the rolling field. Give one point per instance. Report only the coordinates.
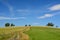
(44, 33)
(25, 33)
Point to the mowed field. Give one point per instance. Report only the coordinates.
(44, 33)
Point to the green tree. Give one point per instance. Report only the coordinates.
(7, 24)
(12, 25)
(25, 25)
(56, 26)
(50, 24)
(29, 25)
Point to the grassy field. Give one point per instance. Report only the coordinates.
(35, 33)
(44, 33)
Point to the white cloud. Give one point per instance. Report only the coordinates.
(28, 11)
(9, 7)
(55, 7)
(36, 23)
(22, 17)
(23, 10)
(46, 16)
(9, 18)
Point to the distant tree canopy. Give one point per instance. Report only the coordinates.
(25, 25)
(56, 26)
(29, 25)
(50, 24)
(12, 25)
(7, 24)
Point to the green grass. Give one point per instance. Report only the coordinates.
(44, 33)
(35, 33)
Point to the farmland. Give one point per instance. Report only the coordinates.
(12, 33)
(27, 33)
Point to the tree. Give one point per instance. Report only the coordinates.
(25, 25)
(56, 26)
(29, 25)
(50, 24)
(7, 24)
(12, 25)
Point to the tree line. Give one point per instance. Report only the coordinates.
(10, 25)
(51, 24)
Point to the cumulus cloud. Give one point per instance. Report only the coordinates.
(55, 7)
(46, 16)
(9, 18)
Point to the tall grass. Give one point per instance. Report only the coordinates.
(8, 32)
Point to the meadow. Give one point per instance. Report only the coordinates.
(44, 33)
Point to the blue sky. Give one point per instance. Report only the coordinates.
(34, 12)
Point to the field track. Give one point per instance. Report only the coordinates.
(20, 35)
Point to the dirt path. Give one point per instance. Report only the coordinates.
(20, 35)
(23, 35)
(14, 37)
